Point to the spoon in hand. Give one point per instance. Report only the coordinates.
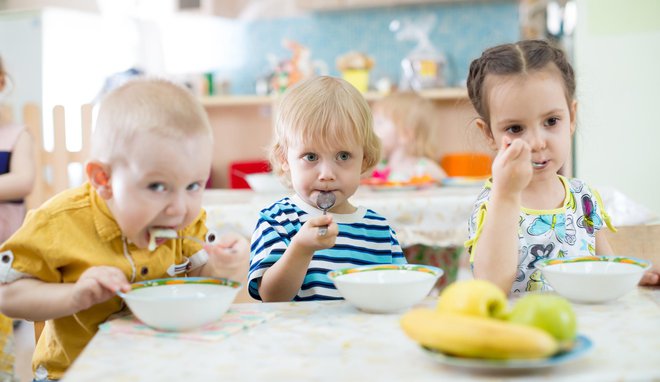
(325, 201)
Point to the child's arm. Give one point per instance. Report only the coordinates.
(35, 300)
(18, 182)
(496, 252)
(282, 281)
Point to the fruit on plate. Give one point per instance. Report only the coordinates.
(552, 313)
(478, 337)
(473, 297)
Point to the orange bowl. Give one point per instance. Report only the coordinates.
(467, 164)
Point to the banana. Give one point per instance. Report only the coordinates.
(478, 337)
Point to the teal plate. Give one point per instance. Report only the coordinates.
(581, 347)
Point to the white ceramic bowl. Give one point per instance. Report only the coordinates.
(385, 288)
(593, 279)
(179, 304)
(265, 182)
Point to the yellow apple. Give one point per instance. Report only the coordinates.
(552, 313)
(473, 297)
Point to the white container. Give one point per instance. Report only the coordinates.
(593, 279)
(180, 304)
(265, 182)
(385, 288)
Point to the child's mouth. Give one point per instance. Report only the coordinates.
(539, 164)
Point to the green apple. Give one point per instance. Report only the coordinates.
(473, 297)
(552, 313)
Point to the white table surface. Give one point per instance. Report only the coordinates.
(332, 341)
(435, 216)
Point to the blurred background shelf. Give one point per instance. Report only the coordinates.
(448, 94)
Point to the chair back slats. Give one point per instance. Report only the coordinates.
(53, 174)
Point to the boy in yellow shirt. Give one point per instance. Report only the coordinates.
(152, 149)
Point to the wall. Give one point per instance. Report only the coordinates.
(617, 50)
(22, 57)
(462, 31)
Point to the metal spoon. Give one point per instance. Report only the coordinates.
(325, 201)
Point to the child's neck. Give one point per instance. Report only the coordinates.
(544, 194)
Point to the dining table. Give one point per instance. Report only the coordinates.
(334, 341)
(429, 216)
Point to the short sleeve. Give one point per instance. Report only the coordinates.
(269, 242)
(33, 251)
(477, 217)
(397, 253)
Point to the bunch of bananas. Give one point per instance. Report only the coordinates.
(472, 320)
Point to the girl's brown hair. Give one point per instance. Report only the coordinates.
(522, 57)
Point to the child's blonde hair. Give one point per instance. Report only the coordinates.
(146, 105)
(327, 110)
(412, 116)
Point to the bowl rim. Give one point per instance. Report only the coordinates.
(544, 265)
(433, 271)
(176, 281)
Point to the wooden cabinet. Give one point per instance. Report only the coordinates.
(243, 125)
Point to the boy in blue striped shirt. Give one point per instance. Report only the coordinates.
(323, 142)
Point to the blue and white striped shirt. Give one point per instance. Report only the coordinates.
(364, 238)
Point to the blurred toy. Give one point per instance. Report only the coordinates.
(299, 67)
(355, 67)
(424, 66)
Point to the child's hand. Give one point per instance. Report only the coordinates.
(308, 237)
(512, 167)
(228, 255)
(97, 285)
(650, 278)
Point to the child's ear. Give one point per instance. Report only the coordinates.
(98, 175)
(485, 130)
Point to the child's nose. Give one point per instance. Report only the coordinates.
(326, 171)
(536, 141)
(177, 205)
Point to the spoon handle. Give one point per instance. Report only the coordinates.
(323, 230)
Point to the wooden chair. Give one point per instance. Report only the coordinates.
(641, 241)
(53, 166)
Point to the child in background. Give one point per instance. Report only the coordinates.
(152, 149)
(524, 94)
(404, 123)
(16, 180)
(324, 141)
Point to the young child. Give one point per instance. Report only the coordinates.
(16, 180)
(324, 141)
(524, 94)
(404, 123)
(152, 149)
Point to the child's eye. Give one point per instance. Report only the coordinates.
(343, 156)
(194, 186)
(552, 121)
(158, 187)
(515, 129)
(310, 157)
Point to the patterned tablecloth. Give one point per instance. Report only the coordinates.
(333, 341)
(435, 216)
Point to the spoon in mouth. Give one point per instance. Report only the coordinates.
(325, 201)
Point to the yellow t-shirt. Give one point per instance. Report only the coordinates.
(69, 234)
(6, 348)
